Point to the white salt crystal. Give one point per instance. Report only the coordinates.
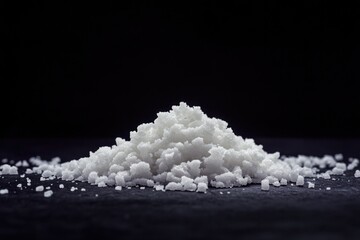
(265, 186)
(47, 174)
(357, 174)
(48, 187)
(311, 185)
(118, 188)
(328, 188)
(326, 175)
(173, 186)
(159, 187)
(39, 188)
(4, 191)
(300, 181)
(276, 184)
(283, 182)
(48, 193)
(83, 189)
(202, 187)
(13, 170)
(19, 185)
(61, 185)
(339, 156)
(354, 163)
(101, 184)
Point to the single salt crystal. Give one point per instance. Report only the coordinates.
(326, 175)
(221, 193)
(354, 162)
(47, 174)
(48, 187)
(265, 186)
(202, 187)
(276, 184)
(72, 189)
(13, 170)
(83, 189)
(159, 187)
(311, 185)
(22, 175)
(61, 185)
(4, 191)
(19, 185)
(118, 188)
(357, 174)
(283, 182)
(339, 157)
(173, 186)
(48, 193)
(328, 188)
(142, 188)
(300, 181)
(39, 188)
(101, 184)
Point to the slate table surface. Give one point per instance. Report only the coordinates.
(239, 213)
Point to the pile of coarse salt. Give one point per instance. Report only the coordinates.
(186, 150)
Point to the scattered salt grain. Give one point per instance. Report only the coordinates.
(48, 193)
(4, 191)
(83, 189)
(357, 174)
(283, 182)
(118, 188)
(276, 184)
(311, 185)
(19, 185)
(300, 181)
(61, 185)
(39, 188)
(265, 186)
(202, 187)
(328, 188)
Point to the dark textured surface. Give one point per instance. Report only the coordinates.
(287, 212)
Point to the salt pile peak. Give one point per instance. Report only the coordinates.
(183, 149)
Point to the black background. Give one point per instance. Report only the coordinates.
(100, 69)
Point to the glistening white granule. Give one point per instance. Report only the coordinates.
(357, 174)
(39, 188)
(265, 185)
(4, 191)
(48, 193)
(185, 150)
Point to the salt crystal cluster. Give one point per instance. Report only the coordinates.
(185, 150)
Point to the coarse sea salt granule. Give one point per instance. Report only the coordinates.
(357, 174)
(265, 186)
(311, 185)
(4, 191)
(328, 188)
(48, 193)
(300, 181)
(118, 188)
(61, 185)
(39, 188)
